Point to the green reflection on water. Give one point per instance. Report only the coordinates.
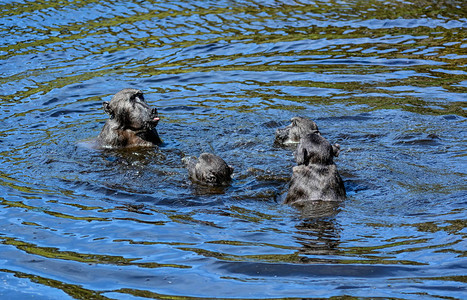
(49, 212)
(439, 45)
(75, 291)
(296, 258)
(51, 252)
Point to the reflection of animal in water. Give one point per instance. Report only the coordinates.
(318, 236)
(209, 169)
(316, 176)
(132, 122)
(292, 133)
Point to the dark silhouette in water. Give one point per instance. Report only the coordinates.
(292, 133)
(209, 169)
(132, 122)
(316, 176)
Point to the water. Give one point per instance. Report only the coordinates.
(385, 80)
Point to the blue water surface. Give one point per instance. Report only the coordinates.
(386, 80)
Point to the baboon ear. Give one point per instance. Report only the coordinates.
(336, 149)
(107, 109)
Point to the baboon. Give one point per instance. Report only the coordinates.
(292, 133)
(132, 122)
(316, 176)
(209, 169)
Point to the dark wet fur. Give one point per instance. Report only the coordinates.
(316, 177)
(292, 133)
(132, 122)
(315, 149)
(209, 169)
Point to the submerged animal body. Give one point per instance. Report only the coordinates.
(316, 176)
(209, 169)
(291, 134)
(315, 182)
(132, 122)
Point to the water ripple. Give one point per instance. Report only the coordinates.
(385, 80)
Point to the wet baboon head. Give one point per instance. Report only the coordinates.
(292, 133)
